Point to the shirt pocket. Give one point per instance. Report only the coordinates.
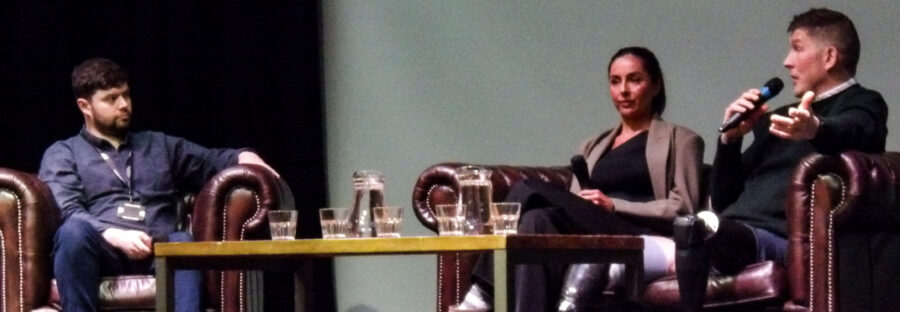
(99, 181)
(153, 176)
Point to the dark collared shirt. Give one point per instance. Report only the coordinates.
(85, 186)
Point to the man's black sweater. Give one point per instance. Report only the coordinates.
(751, 188)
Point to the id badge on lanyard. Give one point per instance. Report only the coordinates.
(130, 210)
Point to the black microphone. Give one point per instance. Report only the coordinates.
(579, 168)
(768, 91)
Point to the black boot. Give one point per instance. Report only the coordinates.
(691, 261)
(583, 284)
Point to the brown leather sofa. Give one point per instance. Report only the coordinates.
(231, 206)
(843, 216)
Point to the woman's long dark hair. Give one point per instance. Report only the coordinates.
(651, 65)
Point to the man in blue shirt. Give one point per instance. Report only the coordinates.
(116, 190)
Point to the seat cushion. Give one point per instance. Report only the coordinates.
(118, 293)
(760, 283)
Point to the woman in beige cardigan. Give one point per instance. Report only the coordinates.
(640, 175)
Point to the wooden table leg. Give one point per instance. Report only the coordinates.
(634, 276)
(299, 291)
(165, 283)
(503, 285)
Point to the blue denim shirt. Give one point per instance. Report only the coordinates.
(85, 186)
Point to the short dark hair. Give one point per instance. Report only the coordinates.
(96, 74)
(651, 65)
(834, 27)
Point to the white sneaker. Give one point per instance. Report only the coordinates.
(711, 222)
(476, 299)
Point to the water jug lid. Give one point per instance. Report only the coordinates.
(468, 173)
(368, 176)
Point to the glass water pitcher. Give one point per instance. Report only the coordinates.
(368, 186)
(475, 191)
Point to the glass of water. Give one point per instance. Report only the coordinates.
(505, 217)
(283, 224)
(387, 221)
(451, 219)
(335, 222)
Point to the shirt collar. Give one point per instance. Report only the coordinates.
(98, 142)
(837, 89)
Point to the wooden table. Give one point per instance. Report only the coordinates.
(507, 251)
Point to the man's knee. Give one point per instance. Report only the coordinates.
(689, 232)
(180, 237)
(76, 244)
(75, 232)
(537, 221)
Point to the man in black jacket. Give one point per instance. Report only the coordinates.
(748, 189)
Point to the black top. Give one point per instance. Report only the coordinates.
(622, 172)
(751, 187)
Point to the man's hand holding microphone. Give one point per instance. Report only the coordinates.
(742, 114)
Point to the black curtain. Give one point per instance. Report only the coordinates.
(219, 73)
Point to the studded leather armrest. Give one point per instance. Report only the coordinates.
(28, 219)
(233, 205)
(843, 214)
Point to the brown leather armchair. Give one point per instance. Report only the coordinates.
(231, 206)
(847, 198)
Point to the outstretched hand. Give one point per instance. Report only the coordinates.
(800, 124)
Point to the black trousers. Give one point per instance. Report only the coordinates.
(547, 209)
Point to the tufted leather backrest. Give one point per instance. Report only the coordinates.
(437, 185)
(873, 184)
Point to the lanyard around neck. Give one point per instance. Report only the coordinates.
(127, 182)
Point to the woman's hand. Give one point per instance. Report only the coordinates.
(598, 198)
